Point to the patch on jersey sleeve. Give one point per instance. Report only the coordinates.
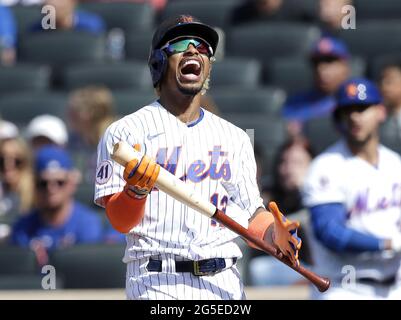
(104, 171)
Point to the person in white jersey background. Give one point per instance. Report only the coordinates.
(353, 192)
(172, 251)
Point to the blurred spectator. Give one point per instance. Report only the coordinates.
(58, 220)
(20, 2)
(390, 85)
(331, 15)
(16, 178)
(330, 62)
(90, 112)
(8, 36)
(46, 129)
(257, 10)
(68, 17)
(290, 166)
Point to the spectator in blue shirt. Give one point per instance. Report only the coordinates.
(68, 17)
(330, 62)
(8, 36)
(58, 220)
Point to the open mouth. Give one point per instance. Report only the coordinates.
(190, 70)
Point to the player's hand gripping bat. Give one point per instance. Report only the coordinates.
(173, 186)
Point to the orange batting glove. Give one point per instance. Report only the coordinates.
(285, 234)
(140, 175)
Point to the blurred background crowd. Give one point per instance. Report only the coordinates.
(278, 64)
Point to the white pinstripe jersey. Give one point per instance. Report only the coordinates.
(211, 155)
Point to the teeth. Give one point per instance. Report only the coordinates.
(191, 62)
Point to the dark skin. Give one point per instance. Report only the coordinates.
(182, 97)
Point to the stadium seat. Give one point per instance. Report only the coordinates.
(295, 75)
(214, 13)
(26, 282)
(379, 62)
(131, 17)
(91, 266)
(133, 75)
(269, 133)
(236, 72)
(61, 48)
(291, 74)
(373, 9)
(24, 78)
(321, 133)
(137, 46)
(373, 38)
(21, 108)
(128, 101)
(26, 16)
(266, 41)
(16, 260)
(261, 101)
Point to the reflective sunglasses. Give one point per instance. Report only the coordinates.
(181, 45)
(43, 184)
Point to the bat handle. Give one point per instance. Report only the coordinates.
(321, 283)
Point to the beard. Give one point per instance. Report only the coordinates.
(190, 89)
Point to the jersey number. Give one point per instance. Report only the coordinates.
(223, 205)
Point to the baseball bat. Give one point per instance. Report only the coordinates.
(173, 186)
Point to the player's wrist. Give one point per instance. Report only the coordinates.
(135, 192)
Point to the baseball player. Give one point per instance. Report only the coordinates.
(172, 251)
(353, 191)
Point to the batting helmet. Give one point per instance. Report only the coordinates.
(182, 25)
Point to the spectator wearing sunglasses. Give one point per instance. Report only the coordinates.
(58, 220)
(330, 62)
(16, 178)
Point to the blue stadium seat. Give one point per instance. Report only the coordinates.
(266, 41)
(236, 72)
(132, 75)
(24, 77)
(131, 17)
(60, 48)
(20, 108)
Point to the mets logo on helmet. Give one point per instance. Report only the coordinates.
(356, 90)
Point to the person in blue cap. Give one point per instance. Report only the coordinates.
(353, 192)
(58, 220)
(330, 61)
